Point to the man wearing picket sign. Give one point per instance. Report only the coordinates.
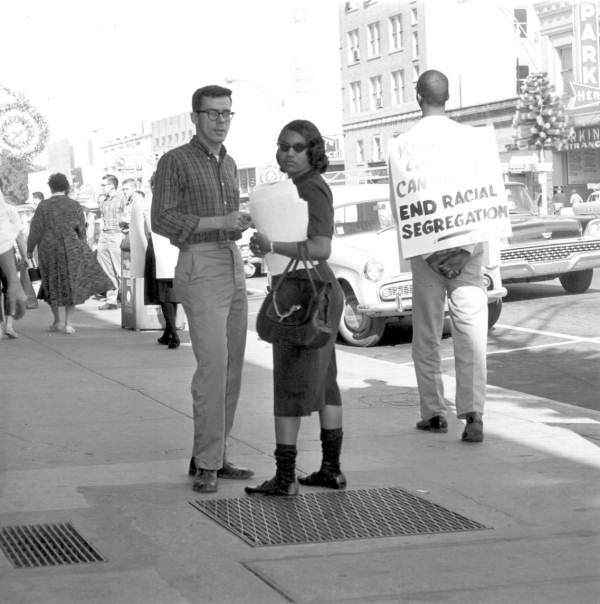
(449, 201)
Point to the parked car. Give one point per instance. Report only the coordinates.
(548, 247)
(377, 284)
(253, 266)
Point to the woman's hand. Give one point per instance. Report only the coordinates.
(259, 244)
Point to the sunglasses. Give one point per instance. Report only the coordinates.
(297, 147)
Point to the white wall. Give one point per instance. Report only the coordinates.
(474, 43)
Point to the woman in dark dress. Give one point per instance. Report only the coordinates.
(306, 380)
(70, 272)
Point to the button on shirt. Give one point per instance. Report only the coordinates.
(192, 183)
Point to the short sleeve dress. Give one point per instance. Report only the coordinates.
(305, 380)
(69, 269)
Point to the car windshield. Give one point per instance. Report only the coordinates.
(518, 200)
(363, 217)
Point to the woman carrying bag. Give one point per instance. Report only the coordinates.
(305, 379)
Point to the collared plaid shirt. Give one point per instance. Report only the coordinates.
(191, 183)
(112, 212)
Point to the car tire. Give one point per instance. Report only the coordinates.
(357, 329)
(249, 269)
(494, 310)
(577, 282)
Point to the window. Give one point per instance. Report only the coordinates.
(415, 74)
(415, 45)
(397, 86)
(520, 15)
(377, 148)
(247, 179)
(353, 47)
(355, 97)
(395, 24)
(177, 135)
(414, 15)
(565, 56)
(190, 133)
(376, 92)
(360, 152)
(373, 40)
(522, 73)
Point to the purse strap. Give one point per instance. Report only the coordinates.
(292, 267)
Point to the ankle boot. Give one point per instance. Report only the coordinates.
(284, 483)
(329, 475)
(165, 338)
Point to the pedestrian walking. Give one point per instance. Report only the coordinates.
(196, 206)
(305, 380)
(70, 272)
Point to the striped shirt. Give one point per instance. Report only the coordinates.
(191, 183)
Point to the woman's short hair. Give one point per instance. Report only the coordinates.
(58, 183)
(316, 145)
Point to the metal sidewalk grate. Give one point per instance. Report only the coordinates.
(332, 516)
(38, 545)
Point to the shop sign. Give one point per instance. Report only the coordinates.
(586, 87)
(586, 137)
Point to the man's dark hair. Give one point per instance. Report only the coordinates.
(38, 195)
(58, 183)
(112, 179)
(211, 91)
(128, 180)
(432, 85)
(316, 145)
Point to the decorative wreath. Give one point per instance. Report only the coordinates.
(23, 130)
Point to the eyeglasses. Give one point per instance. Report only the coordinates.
(297, 147)
(213, 114)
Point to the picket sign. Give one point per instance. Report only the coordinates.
(447, 189)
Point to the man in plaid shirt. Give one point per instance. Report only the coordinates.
(196, 205)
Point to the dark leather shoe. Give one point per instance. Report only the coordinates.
(435, 424)
(205, 481)
(165, 339)
(473, 432)
(331, 480)
(274, 488)
(233, 472)
(174, 342)
(229, 470)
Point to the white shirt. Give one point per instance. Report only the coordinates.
(8, 232)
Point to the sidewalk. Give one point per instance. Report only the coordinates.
(96, 431)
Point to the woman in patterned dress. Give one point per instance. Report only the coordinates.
(69, 269)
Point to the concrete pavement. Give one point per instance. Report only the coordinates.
(96, 431)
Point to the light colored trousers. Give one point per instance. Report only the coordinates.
(108, 253)
(210, 284)
(467, 306)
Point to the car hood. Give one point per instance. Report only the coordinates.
(357, 249)
(527, 228)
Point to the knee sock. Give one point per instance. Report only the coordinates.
(285, 459)
(169, 310)
(331, 445)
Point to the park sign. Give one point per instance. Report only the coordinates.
(447, 188)
(586, 59)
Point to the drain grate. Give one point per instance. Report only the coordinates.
(332, 516)
(36, 545)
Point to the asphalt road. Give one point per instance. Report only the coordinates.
(546, 342)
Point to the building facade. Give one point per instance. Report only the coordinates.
(385, 46)
(573, 62)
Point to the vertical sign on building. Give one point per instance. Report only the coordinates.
(586, 87)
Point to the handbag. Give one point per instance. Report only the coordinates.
(294, 311)
(34, 272)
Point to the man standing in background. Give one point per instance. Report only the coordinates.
(109, 244)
